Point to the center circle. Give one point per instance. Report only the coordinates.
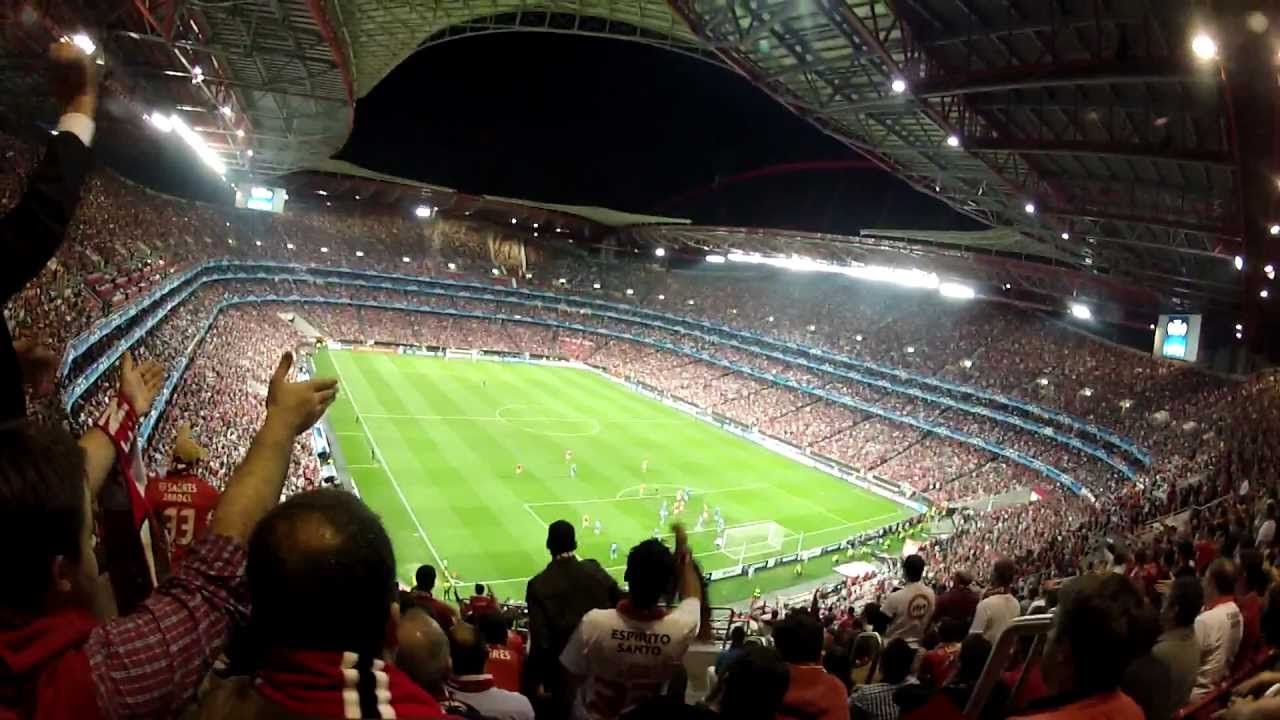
(529, 419)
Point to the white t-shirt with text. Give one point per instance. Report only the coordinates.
(624, 660)
(910, 608)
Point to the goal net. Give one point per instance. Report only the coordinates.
(754, 539)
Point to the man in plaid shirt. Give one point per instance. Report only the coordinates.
(57, 660)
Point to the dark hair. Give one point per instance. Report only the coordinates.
(1003, 572)
(896, 660)
(737, 636)
(42, 509)
(650, 572)
(838, 661)
(1186, 550)
(798, 638)
(913, 568)
(1228, 546)
(493, 627)
(321, 575)
(974, 652)
(425, 578)
(1186, 597)
(1271, 616)
(754, 684)
(952, 630)
(1255, 577)
(1222, 575)
(479, 588)
(560, 538)
(467, 649)
(1097, 619)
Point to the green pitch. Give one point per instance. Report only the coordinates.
(433, 446)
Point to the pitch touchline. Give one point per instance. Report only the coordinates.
(385, 468)
(697, 493)
(494, 418)
(711, 552)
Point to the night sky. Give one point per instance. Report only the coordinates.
(595, 121)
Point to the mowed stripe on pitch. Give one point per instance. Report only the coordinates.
(459, 476)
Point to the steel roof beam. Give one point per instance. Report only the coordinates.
(1130, 152)
(1025, 77)
(1227, 233)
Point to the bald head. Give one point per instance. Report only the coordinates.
(424, 651)
(318, 556)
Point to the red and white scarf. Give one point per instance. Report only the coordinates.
(342, 685)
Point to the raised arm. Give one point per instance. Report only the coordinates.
(114, 432)
(256, 485)
(149, 663)
(32, 231)
(688, 582)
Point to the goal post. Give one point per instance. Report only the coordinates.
(762, 538)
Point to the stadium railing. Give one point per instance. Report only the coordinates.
(1034, 626)
(79, 385)
(637, 314)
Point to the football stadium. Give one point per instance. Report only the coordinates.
(890, 359)
(492, 452)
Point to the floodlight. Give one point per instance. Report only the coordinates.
(956, 291)
(1204, 46)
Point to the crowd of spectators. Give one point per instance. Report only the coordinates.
(1164, 592)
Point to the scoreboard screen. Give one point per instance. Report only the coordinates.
(261, 197)
(1178, 337)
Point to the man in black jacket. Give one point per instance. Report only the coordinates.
(31, 232)
(558, 597)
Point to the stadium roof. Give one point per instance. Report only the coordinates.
(1087, 129)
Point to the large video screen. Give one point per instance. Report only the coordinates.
(260, 197)
(1178, 337)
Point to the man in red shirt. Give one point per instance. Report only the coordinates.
(506, 651)
(183, 498)
(479, 604)
(57, 659)
(813, 692)
(443, 613)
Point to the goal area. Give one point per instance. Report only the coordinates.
(763, 538)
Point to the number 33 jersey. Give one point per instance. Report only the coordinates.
(186, 503)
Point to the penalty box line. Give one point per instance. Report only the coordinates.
(705, 553)
(697, 493)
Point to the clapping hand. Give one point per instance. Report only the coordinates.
(75, 77)
(39, 366)
(297, 405)
(140, 384)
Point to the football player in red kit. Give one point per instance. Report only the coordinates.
(181, 497)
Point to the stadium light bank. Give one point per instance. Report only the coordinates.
(1081, 311)
(902, 277)
(174, 124)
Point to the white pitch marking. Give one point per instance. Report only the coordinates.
(697, 493)
(494, 418)
(381, 460)
(715, 552)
